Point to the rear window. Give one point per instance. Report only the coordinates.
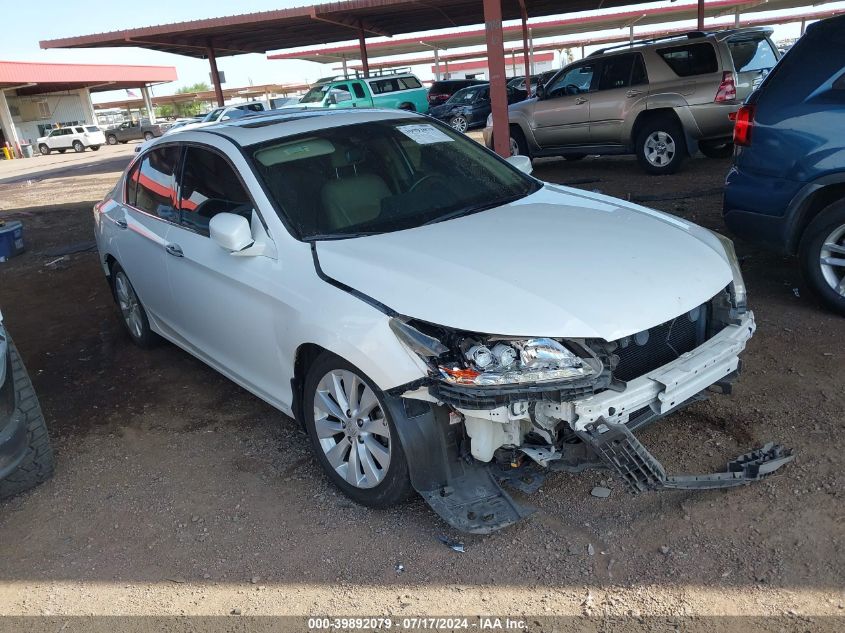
(689, 60)
(752, 55)
(92, 128)
(394, 84)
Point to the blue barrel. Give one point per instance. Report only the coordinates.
(11, 240)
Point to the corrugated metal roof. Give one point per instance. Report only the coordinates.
(553, 28)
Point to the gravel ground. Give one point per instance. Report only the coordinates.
(177, 492)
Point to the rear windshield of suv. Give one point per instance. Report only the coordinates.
(691, 59)
(394, 84)
(752, 55)
(92, 128)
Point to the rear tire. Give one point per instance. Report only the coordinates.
(716, 150)
(37, 465)
(61, 151)
(821, 250)
(660, 146)
(44, 149)
(78, 147)
(133, 314)
(95, 147)
(340, 435)
(408, 107)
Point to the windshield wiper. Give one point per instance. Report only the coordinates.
(475, 209)
(320, 237)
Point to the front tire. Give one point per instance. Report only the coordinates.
(822, 256)
(518, 144)
(459, 123)
(133, 314)
(353, 435)
(716, 150)
(148, 136)
(37, 465)
(78, 147)
(111, 139)
(660, 146)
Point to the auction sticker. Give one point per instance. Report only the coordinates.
(424, 134)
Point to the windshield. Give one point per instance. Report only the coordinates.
(467, 95)
(382, 176)
(316, 94)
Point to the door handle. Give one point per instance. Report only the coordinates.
(121, 223)
(175, 250)
(633, 93)
(581, 100)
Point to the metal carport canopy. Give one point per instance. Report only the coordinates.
(648, 15)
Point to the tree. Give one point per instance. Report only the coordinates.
(186, 108)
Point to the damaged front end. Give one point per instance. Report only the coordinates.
(498, 409)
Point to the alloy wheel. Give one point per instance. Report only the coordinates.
(459, 124)
(352, 428)
(832, 260)
(659, 148)
(130, 307)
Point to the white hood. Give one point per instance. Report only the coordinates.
(559, 263)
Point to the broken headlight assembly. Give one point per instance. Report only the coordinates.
(490, 361)
(739, 295)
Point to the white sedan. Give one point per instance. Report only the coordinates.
(435, 317)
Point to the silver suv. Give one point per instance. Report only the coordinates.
(660, 99)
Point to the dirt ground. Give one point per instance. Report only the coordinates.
(176, 492)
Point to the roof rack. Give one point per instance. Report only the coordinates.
(357, 74)
(689, 35)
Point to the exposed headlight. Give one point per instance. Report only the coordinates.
(516, 362)
(739, 295)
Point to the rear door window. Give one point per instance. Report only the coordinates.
(209, 186)
(691, 59)
(616, 72)
(752, 55)
(155, 183)
(359, 91)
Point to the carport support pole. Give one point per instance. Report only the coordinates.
(700, 15)
(362, 44)
(436, 65)
(345, 69)
(215, 75)
(148, 104)
(496, 66)
(525, 52)
(6, 123)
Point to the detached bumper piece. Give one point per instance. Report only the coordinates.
(623, 453)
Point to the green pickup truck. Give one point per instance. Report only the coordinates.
(400, 91)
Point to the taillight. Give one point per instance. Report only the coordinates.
(435, 97)
(727, 89)
(744, 124)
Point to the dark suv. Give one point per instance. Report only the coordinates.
(786, 189)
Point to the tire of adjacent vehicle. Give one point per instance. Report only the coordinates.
(111, 139)
(716, 150)
(44, 149)
(95, 147)
(809, 254)
(518, 142)
(396, 485)
(37, 465)
(148, 136)
(146, 338)
(61, 151)
(672, 129)
(78, 146)
(459, 123)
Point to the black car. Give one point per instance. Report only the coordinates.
(26, 458)
(441, 91)
(465, 109)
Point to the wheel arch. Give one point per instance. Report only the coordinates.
(647, 116)
(811, 201)
(304, 357)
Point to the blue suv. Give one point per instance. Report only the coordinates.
(786, 188)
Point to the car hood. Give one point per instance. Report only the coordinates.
(558, 263)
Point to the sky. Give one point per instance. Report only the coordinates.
(31, 22)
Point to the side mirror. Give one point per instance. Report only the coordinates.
(521, 162)
(231, 232)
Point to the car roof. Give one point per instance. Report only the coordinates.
(279, 124)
